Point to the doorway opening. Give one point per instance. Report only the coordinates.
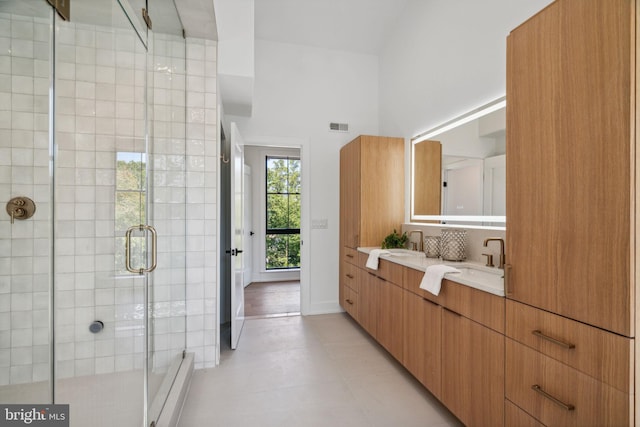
(273, 228)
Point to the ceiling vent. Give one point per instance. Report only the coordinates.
(339, 127)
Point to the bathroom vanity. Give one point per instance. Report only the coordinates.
(453, 343)
(559, 348)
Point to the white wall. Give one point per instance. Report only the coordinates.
(298, 91)
(254, 157)
(445, 58)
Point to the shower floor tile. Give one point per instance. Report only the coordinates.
(97, 401)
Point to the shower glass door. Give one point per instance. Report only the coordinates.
(167, 204)
(92, 129)
(101, 189)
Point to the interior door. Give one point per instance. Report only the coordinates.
(237, 233)
(248, 224)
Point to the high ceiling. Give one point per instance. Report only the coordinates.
(352, 25)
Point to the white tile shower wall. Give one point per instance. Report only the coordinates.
(202, 217)
(99, 106)
(24, 171)
(100, 112)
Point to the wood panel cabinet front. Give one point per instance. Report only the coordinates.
(558, 395)
(371, 189)
(570, 161)
(351, 303)
(472, 371)
(600, 354)
(516, 417)
(350, 195)
(389, 317)
(421, 333)
(369, 297)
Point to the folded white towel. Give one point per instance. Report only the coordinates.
(432, 279)
(372, 261)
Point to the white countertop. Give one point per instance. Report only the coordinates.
(473, 274)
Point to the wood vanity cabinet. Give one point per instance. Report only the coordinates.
(369, 303)
(381, 299)
(572, 217)
(472, 370)
(422, 347)
(350, 285)
(570, 161)
(454, 344)
(371, 201)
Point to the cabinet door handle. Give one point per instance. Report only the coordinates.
(560, 403)
(452, 312)
(562, 344)
(431, 302)
(350, 276)
(349, 301)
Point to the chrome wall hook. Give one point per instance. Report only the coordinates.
(20, 208)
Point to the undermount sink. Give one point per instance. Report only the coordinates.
(478, 277)
(406, 253)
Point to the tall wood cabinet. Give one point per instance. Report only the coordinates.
(371, 205)
(371, 190)
(571, 213)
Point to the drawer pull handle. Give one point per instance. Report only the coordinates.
(349, 256)
(350, 276)
(560, 403)
(563, 344)
(349, 301)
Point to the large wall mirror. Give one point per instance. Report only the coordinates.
(458, 170)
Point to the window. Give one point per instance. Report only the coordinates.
(283, 213)
(130, 203)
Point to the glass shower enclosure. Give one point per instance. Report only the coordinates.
(93, 186)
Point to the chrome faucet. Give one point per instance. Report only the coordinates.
(414, 247)
(497, 239)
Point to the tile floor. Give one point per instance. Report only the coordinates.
(309, 371)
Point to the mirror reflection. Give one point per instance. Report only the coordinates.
(458, 170)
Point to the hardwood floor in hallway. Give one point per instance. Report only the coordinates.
(272, 299)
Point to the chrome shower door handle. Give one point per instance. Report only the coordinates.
(154, 250)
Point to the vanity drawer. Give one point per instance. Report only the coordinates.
(516, 417)
(387, 270)
(350, 303)
(350, 276)
(482, 307)
(602, 355)
(558, 395)
(350, 255)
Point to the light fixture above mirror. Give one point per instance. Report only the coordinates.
(445, 155)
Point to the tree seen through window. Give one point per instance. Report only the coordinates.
(283, 213)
